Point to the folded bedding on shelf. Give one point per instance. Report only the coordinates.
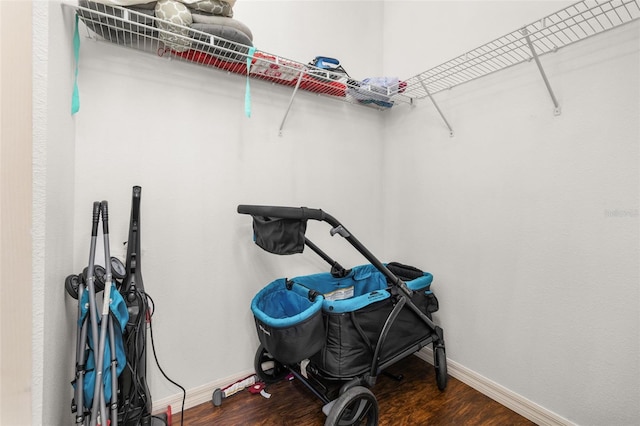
(377, 90)
(190, 32)
(143, 4)
(175, 18)
(214, 7)
(116, 29)
(222, 21)
(230, 34)
(228, 43)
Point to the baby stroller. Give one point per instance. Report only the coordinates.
(337, 331)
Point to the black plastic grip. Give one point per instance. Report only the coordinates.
(298, 213)
(135, 204)
(95, 218)
(104, 206)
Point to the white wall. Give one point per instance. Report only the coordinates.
(512, 215)
(53, 220)
(179, 131)
(529, 223)
(421, 34)
(348, 30)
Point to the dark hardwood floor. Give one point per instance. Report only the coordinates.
(415, 400)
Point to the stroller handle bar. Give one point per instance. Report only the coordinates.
(298, 213)
(303, 213)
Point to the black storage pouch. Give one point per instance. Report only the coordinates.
(279, 236)
(404, 272)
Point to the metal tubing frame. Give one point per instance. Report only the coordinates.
(322, 397)
(81, 361)
(93, 313)
(114, 374)
(405, 300)
(391, 319)
(334, 263)
(100, 403)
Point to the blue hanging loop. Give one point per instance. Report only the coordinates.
(247, 92)
(75, 97)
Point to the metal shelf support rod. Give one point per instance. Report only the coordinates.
(424, 86)
(295, 90)
(556, 106)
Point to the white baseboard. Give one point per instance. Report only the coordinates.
(197, 395)
(521, 405)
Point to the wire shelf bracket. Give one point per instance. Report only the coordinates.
(293, 95)
(435, 104)
(556, 107)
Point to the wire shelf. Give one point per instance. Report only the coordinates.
(569, 25)
(141, 30)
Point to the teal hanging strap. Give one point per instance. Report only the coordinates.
(75, 98)
(247, 92)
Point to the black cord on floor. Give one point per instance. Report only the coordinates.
(155, 356)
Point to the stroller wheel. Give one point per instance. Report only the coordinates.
(99, 273)
(440, 364)
(267, 368)
(118, 270)
(357, 406)
(71, 284)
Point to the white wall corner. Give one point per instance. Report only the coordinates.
(521, 405)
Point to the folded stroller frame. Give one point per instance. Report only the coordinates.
(99, 338)
(337, 331)
(112, 336)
